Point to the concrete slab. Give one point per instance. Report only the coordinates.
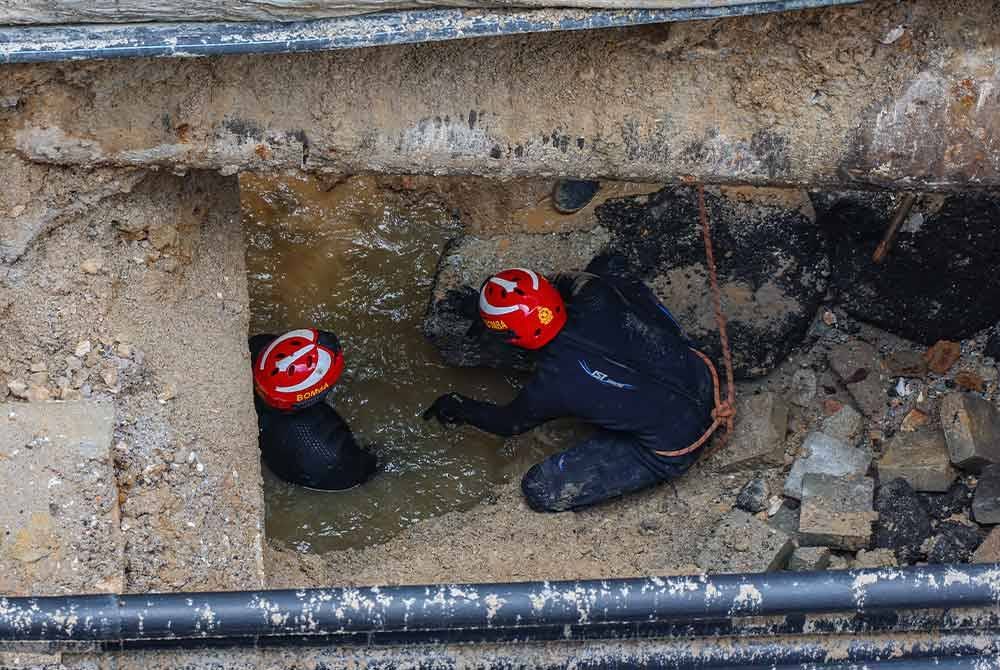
(759, 437)
(61, 531)
(744, 543)
(921, 458)
(837, 511)
(824, 454)
(859, 368)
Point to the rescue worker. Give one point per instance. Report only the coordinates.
(303, 440)
(610, 354)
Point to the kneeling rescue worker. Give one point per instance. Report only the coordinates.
(302, 439)
(610, 354)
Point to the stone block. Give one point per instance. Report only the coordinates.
(743, 543)
(60, 528)
(846, 425)
(837, 511)
(857, 365)
(876, 558)
(906, 363)
(986, 501)
(989, 550)
(972, 431)
(824, 454)
(809, 558)
(921, 458)
(759, 437)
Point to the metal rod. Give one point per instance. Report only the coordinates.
(472, 607)
(19, 44)
(902, 209)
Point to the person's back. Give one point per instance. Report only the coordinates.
(624, 364)
(303, 440)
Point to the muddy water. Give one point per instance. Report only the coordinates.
(359, 260)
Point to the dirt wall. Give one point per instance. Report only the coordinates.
(129, 289)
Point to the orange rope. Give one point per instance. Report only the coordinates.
(724, 411)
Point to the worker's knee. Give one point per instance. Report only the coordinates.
(542, 492)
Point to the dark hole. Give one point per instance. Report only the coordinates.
(538, 331)
(558, 309)
(503, 293)
(518, 291)
(280, 356)
(274, 372)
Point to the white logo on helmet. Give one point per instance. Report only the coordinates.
(303, 333)
(322, 367)
(493, 310)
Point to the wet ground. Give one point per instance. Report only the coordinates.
(358, 259)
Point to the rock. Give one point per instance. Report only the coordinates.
(906, 363)
(38, 366)
(837, 511)
(803, 387)
(753, 497)
(846, 425)
(110, 375)
(91, 266)
(809, 558)
(989, 550)
(773, 505)
(972, 430)
(913, 420)
(956, 500)
(943, 355)
(921, 458)
(124, 350)
(839, 563)
(859, 369)
(876, 558)
(38, 394)
(831, 406)
(759, 436)
(649, 525)
(38, 379)
(168, 392)
(82, 349)
(771, 265)
(829, 318)
(939, 287)
(786, 519)
(468, 261)
(954, 542)
(903, 523)
(163, 236)
(743, 543)
(986, 501)
(822, 454)
(970, 381)
(18, 388)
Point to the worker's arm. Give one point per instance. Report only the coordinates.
(532, 407)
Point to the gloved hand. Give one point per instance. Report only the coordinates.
(447, 409)
(464, 300)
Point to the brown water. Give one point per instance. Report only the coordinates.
(359, 260)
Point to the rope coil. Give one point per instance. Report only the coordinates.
(724, 411)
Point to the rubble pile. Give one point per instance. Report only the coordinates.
(892, 460)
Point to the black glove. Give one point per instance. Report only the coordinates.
(464, 300)
(447, 409)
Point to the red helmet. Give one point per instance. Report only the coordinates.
(524, 303)
(296, 371)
